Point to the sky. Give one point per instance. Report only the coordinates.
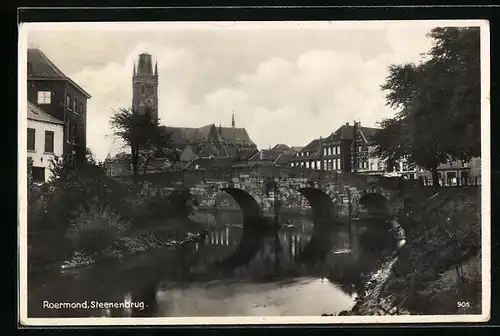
(286, 82)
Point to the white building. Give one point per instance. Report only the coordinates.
(44, 141)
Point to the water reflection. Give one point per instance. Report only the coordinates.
(237, 269)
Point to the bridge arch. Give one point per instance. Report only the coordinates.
(249, 205)
(375, 206)
(325, 214)
(323, 208)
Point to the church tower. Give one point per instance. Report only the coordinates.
(145, 86)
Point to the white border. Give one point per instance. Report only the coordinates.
(485, 175)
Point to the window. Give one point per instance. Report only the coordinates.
(360, 149)
(68, 102)
(44, 97)
(75, 106)
(307, 164)
(38, 174)
(318, 164)
(68, 130)
(73, 134)
(325, 164)
(31, 139)
(81, 108)
(330, 166)
(49, 142)
(405, 166)
(338, 164)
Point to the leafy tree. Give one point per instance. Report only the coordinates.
(142, 133)
(438, 103)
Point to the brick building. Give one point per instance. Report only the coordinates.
(348, 149)
(60, 97)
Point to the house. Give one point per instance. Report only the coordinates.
(45, 135)
(457, 173)
(60, 97)
(348, 149)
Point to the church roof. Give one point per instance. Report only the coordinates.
(188, 135)
(198, 135)
(235, 136)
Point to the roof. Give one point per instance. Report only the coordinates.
(41, 67)
(296, 149)
(208, 149)
(284, 158)
(266, 155)
(187, 135)
(311, 146)
(369, 132)
(281, 147)
(235, 136)
(347, 131)
(37, 114)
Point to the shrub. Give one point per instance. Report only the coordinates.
(96, 228)
(72, 187)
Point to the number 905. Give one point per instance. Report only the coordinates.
(463, 304)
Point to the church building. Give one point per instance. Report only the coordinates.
(204, 147)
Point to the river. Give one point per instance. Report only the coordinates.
(297, 271)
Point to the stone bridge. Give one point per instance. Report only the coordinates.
(327, 199)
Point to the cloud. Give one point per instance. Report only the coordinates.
(278, 100)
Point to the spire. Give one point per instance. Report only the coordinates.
(156, 68)
(232, 121)
(134, 69)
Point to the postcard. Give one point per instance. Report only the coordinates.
(198, 173)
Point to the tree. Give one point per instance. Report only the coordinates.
(437, 103)
(141, 132)
(90, 157)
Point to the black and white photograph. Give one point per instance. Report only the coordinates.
(287, 172)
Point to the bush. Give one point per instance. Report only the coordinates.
(95, 229)
(72, 187)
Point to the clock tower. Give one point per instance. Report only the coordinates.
(145, 86)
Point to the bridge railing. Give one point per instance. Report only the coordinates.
(455, 182)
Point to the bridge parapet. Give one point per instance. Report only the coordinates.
(284, 193)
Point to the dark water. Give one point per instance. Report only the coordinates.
(233, 271)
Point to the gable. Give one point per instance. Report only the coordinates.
(235, 136)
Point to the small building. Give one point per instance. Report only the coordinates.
(45, 136)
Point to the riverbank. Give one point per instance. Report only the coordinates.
(438, 269)
(174, 233)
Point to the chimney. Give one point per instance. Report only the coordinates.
(232, 121)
